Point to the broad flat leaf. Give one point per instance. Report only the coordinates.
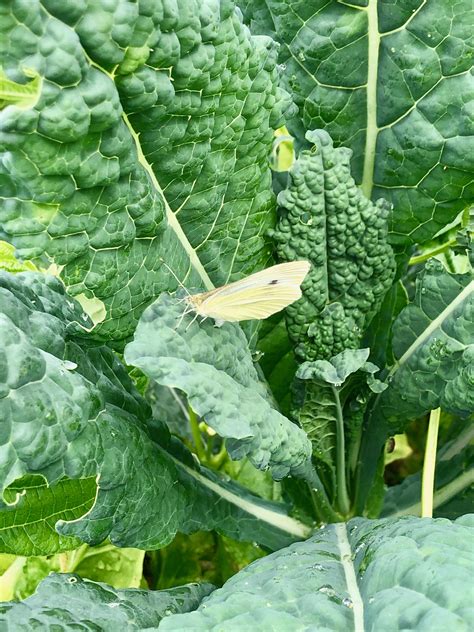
(364, 575)
(27, 527)
(214, 367)
(433, 342)
(327, 220)
(150, 140)
(70, 410)
(454, 483)
(67, 601)
(390, 80)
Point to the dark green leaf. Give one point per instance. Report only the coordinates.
(214, 367)
(69, 602)
(433, 341)
(149, 141)
(326, 219)
(364, 575)
(391, 81)
(71, 411)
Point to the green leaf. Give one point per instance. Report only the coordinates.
(9, 262)
(339, 368)
(70, 410)
(378, 336)
(276, 358)
(454, 483)
(27, 526)
(214, 367)
(326, 220)
(330, 401)
(120, 568)
(433, 341)
(322, 377)
(314, 408)
(150, 140)
(69, 601)
(22, 95)
(364, 575)
(389, 80)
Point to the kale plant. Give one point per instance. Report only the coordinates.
(310, 471)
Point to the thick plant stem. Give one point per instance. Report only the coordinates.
(342, 497)
(10, 578)
(429, 465)
(194, 424)
(322, 507)
(431, 253)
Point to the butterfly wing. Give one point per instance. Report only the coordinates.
(292, 272)
(258, 296)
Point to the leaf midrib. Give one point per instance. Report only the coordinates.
(432, 327)
(170, 216)
(350, 575)
(372, 76)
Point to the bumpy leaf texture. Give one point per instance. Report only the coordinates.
(326, 219)
(70, 410)
(364, 575)
(392, 81)
(149, 140)
(433, 342)
(214, 367)
(64, 601)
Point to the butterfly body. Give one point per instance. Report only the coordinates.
(257, 296)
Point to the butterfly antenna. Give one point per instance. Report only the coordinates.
(183, 287)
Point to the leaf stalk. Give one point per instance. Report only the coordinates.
(342, 496)
(429, 465)
(196, 433)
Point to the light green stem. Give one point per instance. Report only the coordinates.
(10, 578)
(342, 497)
(70, 560)
(194, 424)
(429, 465)
(441, 496)
(431, 253)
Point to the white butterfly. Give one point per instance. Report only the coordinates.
(258, 296)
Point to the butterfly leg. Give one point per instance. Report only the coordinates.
(195, 317)
(185, 311)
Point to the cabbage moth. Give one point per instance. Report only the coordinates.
(257, 296)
